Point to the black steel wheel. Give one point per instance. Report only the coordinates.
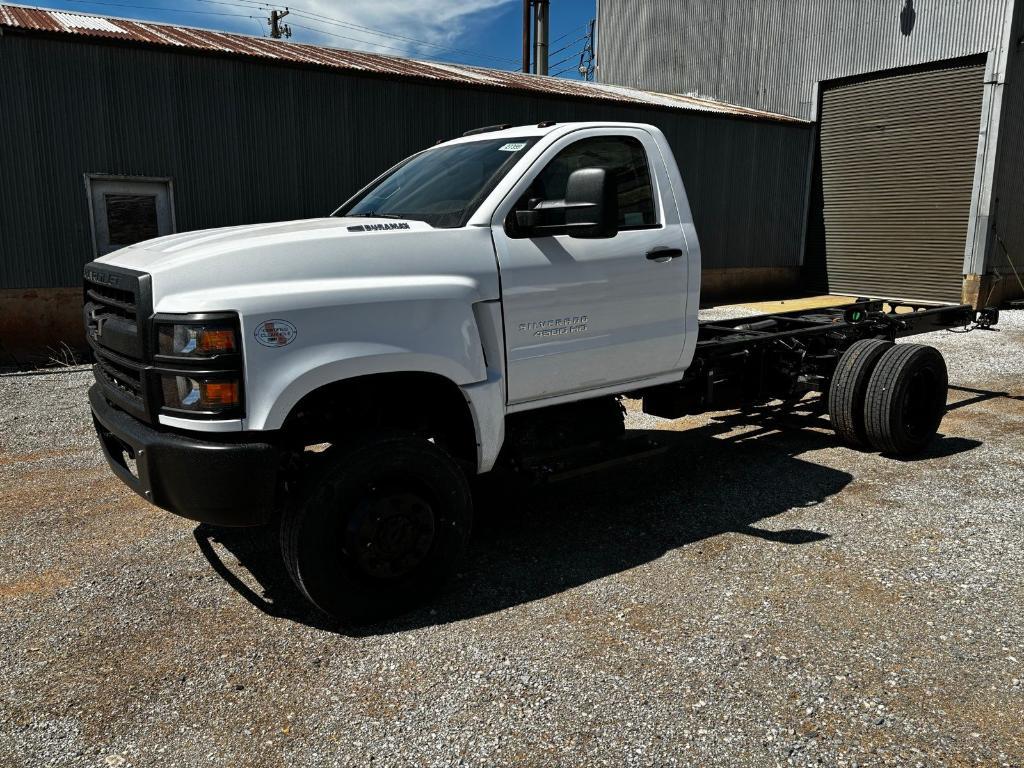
(906, 398)
(385, 522)
(847, 392)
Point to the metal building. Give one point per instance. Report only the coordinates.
(112, 131)
(914, 186)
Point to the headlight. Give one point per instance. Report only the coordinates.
(198, 359)
(200, 393)
(197, 339)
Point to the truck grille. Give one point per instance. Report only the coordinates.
(117, 306)
(120, 375)
(112, 301)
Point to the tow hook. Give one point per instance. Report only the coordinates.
(986, 318)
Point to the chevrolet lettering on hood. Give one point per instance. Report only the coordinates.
(104, 278)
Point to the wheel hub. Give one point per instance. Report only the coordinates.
(920, 403)
(390, 533)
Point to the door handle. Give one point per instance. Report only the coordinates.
(663, 254)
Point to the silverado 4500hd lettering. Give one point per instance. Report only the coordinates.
(450, 344)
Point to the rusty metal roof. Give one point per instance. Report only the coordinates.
(267, 49)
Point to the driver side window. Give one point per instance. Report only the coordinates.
(625, 160)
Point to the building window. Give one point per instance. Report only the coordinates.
(127, 210)
(131, 218)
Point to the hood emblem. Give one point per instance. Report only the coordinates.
(104, 278)
(379, 227)
(275, 333)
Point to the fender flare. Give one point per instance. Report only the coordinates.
(350, 361)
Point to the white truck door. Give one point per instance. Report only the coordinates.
(582, 314)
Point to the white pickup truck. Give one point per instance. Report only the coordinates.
(484, 303)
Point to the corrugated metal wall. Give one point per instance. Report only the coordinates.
(898, 154)
(1006, 249)
(246, 141)
(770, 54)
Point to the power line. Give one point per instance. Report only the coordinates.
(237, 3)
(565, 34)
(316, 18)
(351, 39)
(570, 68)
(151, 7)
(371, 30)
(569, 45)
(586, 57)
(586, 67)
(560, 62)
(339, 36)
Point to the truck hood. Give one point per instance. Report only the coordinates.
(175, 251)
(231, 268)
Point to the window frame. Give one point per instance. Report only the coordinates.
(91, 178)
(551, 153)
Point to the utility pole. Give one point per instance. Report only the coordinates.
(527, 7)
(277, 29)
(541, 23)
(586, 68)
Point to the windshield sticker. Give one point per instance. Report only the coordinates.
(512, 146)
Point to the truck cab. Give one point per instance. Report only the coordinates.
(508, 270)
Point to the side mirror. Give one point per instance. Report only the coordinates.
(591, 204)
(590, 207)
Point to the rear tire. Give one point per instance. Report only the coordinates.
(906, 398)
(383, 525)
(848, 390)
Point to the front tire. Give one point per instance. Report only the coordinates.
(387, 519)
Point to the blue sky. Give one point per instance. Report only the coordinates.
(481, 32)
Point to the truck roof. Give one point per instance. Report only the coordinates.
(541, 129)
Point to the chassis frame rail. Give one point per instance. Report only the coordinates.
(874, 317)
(784, 355)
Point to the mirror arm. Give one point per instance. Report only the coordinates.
(558, 227)
(559, 205)
(527, 218)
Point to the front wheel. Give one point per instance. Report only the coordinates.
(387, 519)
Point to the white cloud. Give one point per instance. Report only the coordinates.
(413, 25)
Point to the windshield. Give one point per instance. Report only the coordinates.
(441, 186)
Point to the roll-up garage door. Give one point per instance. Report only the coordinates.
(897, 157)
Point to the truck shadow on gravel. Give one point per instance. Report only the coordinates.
(975, 396)
(729, 476)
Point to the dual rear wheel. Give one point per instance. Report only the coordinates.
(888, 397)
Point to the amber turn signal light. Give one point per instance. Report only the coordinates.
(219, 394)
(216, 340)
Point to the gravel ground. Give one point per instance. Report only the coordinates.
(762, 597)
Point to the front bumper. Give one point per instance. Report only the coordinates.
(228, 481)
